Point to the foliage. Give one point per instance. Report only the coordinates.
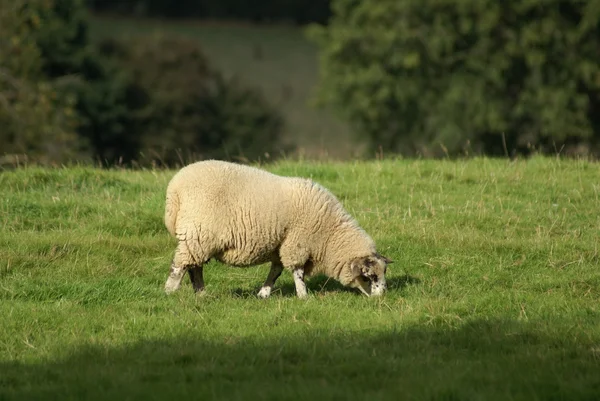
(37, 119)
(61, 101)
(106, 101)
(299, 11)
(158, 99)
(494, 291)
(191, 111)
(412, 74)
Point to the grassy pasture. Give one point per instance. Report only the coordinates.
(277, 59)
(494, 293)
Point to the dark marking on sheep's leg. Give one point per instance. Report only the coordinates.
(299, 281)
(196, 277)
(274, 273)
(175, 277)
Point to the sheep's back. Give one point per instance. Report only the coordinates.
(245, 210)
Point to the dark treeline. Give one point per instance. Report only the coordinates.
(298, 11)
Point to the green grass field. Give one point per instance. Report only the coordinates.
(279, 60)
(494, 293)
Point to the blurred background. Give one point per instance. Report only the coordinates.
(162, 83)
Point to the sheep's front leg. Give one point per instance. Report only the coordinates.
(295, 257)
(299, 281)
(197, 278)
(274, 273)
(175, 277)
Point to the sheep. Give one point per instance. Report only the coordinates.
(245, 216)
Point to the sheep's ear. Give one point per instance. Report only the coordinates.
(362, 266)
(356, 267)
(386, 260)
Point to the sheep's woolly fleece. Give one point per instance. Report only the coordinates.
(243, 216)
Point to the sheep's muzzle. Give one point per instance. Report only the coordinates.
(378, 287)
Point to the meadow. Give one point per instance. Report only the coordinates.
(277, 59)
(494, 293)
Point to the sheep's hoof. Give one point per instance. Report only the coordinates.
(264, 292)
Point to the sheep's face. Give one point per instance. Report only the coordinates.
(369, 274)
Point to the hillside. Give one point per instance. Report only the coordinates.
(278, 60)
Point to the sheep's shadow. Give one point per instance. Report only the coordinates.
(324, 284)
(398, 283)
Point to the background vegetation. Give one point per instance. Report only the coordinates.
(297, 11)
(121, 115)
(187, 109)
(458, 76)
(494, 291)
(433, 78)
(36, 118)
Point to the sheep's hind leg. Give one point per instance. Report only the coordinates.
(274, 273)
(299, 281)
(196, 277)
(175, 277)
(186, 259)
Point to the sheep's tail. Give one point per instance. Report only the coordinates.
(171, 209)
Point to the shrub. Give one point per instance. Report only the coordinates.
(63, 99)
(108, 128)
(37, 120)
(192, 111)
(492, 75)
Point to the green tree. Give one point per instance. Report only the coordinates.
(492, 75)
(37, 120)
(62, 98)
(191, 111)
(108, 125)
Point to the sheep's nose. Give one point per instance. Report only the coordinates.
(378, 289)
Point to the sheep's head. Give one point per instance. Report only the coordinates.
(369, 274)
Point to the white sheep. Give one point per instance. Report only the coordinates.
(245, 216)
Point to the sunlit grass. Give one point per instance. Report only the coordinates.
(494, 292)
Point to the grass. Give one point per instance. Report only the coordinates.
(494, 293)
(278, 60)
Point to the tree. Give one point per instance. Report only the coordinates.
(37, 120)
(191, 111)
(496, 76)
(105, 101)
(63, 98)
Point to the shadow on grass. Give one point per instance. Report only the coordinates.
(482, 360)
(323, 284)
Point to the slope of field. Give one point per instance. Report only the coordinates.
(494, 293)
(277, 59)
